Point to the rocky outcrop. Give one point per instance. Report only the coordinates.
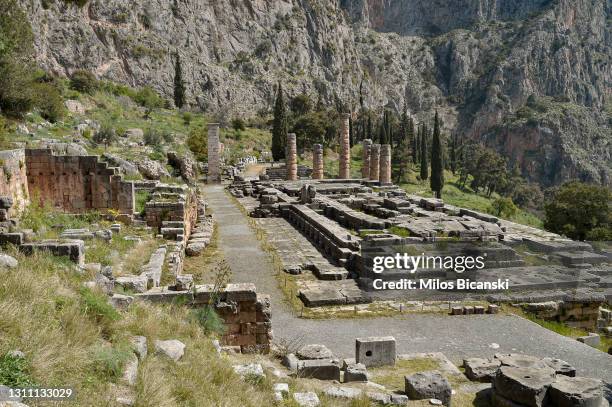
(528, 77)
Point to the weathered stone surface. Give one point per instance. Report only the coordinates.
(427, 385)
(126, 166)
(314, 351)
(195, 249)
(560, 366)
(120, 301)
(482, 370)
(253, 369)
(576, 391)
(130, 371)
(322, 369)
(524, 385)
(355, 373)
(174, 349)
(309, 399)
(139, 344)
(136, 284)
(345, 147)
(214, 154)
(7, 261)
(518, 360)
(375, 351)
(592, 339)
(290, 361)
(152, 169)
(343, 392)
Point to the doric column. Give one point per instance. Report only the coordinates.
(374, 162)
(291, 158)
(385, 164)
(367, 151)
(345, 148)
(214, 154)
(317, 161)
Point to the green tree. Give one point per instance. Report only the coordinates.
(279, 126)
(503, 207)
(437, 165)
(149, 99)
(580, 211)
(197, 141)
(105, 136)
(415, 147)
(179, 83)
(424, 169)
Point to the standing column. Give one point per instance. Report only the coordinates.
(345, 148)
(385, 164)
(214, 171)
(291, 158)
(367, 151)
(317, 161)
(374, 162)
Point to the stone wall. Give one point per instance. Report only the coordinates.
(247, 315)
(13, 180)
(172, 207)
(77, 183)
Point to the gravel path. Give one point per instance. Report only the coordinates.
(456, 337)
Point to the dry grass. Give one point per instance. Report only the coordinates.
(72, 339)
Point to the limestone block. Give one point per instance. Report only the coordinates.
(524, 385)
(428, 385)
(375, 351)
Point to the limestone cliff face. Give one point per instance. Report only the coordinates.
(479, 62)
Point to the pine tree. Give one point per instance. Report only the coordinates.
(279, 126)
(424, 169)
(179, 84)
(453, 153)
(437, 166)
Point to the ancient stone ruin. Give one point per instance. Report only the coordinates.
(214, 154)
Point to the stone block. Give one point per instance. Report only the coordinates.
(375, 351)
(524, 385)
(592, 339)
(576, 391)
(355, 373)
(428, 385)
(319, 369)
(482, 370)
(309, 399)
(314, 351)
(561, 367)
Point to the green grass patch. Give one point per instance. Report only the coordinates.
(14, 371)
(396, 230)
(393, 377)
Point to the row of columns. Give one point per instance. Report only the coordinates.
(376, 158)
(376, 162)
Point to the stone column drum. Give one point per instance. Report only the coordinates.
(385, 164)
(214, 154)
(374, 162)
(291, 158)
(345, 148)
(367, 151)
(317, 161)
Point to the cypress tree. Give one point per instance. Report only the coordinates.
(179, 84)
(415, 147)
(424, 169)
(279, 126)
(437, 166)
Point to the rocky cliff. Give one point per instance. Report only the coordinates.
(528, 77)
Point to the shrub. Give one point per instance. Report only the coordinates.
(96, 306)
(148, 98)
(106, 135)
(198, 144)
(84, 81)
(503, 207)
(16, 94)
(209, 320)
(109, 361)
(187, 117)
(14, 371)
(49, 101)
(238, 124)
(152, 137)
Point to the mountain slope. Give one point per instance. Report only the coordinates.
(529, 77)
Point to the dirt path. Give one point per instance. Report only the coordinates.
(456, 337)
